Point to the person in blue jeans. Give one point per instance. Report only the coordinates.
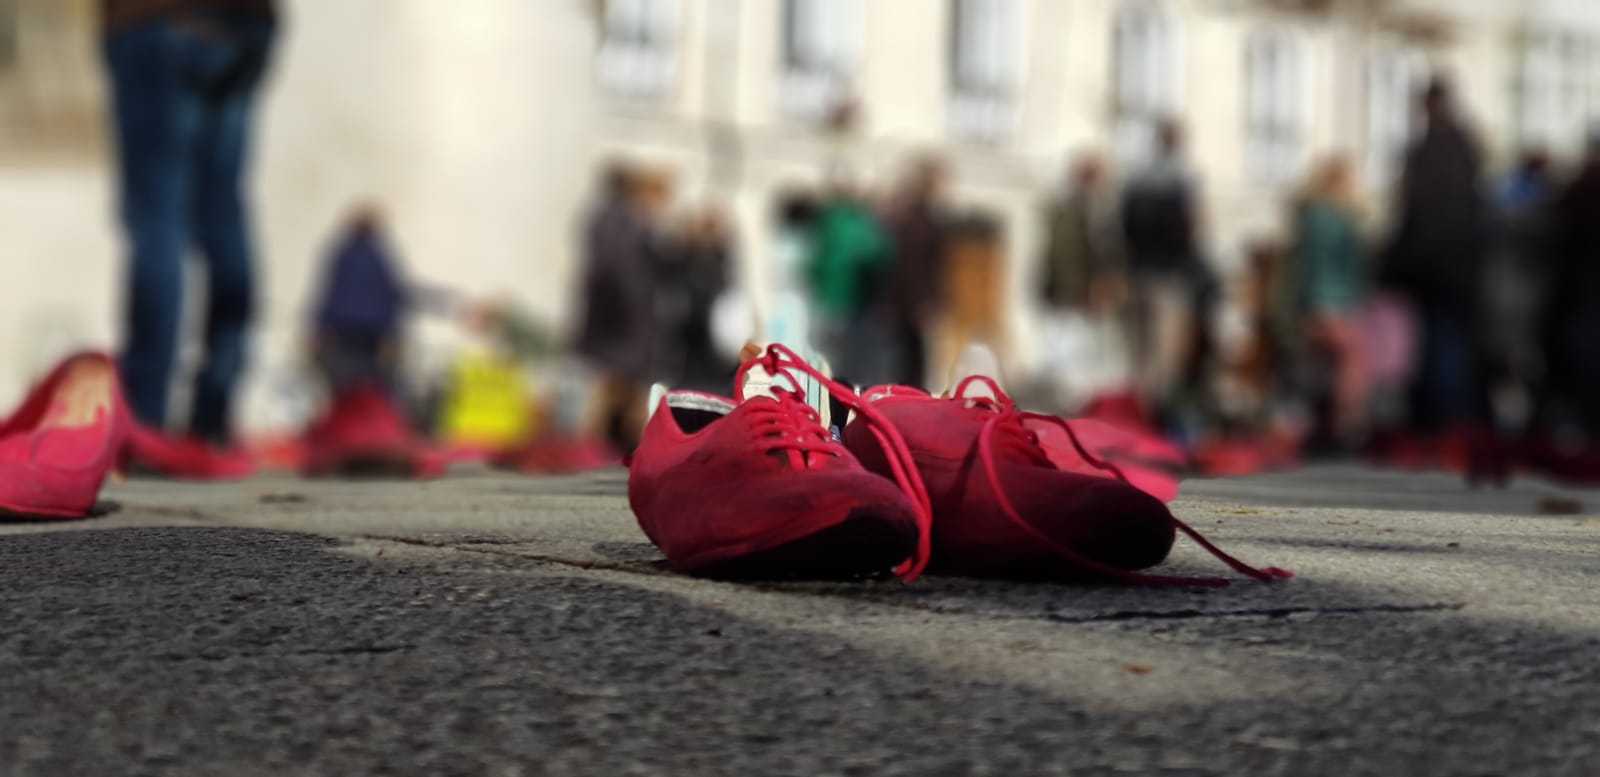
(183, 78)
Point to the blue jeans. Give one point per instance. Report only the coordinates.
(182, 92)
(1449, 388)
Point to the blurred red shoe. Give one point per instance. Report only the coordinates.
(1121, 409)
(1003, 507)
(557, 455)
(1401, 450)
(1231, 457)
(1573, 463)
(758, 489)
(1083, 444)
(363, 434)
(58, 447)
(184, 458)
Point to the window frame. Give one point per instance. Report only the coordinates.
(984, 49)
(1275, 117)
(637, 55)
(1145, 88)
(819, 54)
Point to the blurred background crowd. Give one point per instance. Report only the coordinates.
(1266, 229)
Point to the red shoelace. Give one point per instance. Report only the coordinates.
(1007, 416)
(784, 425)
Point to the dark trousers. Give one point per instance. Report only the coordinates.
(1449, 387)
(183, 93)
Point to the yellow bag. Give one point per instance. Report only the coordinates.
(487, 403)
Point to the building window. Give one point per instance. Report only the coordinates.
(821, 46)
(985, 67)
(1558, 90)
(637, 48)
(1274, 108)
(1145, 77)
(1394, 76)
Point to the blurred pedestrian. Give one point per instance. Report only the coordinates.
(183, 78)
(1436, 259)
(618, 334)
(918, 229)
(1083, 329)
(359, 314)
(1572, 329)
(1083, 256)
(1516, 285)
(1168, 277)
(847, 277)
(696, 275)
(1329, 280)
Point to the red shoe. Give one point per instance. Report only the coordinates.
(1003, 508)
(1231, 457)
(757, 489)
(56, 450)
(558, 455)
(364, 435)
(184, 458)
(1575, 463)
(1402, 450)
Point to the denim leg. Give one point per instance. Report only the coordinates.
(1448, 382)
(155, 122)
(222, 230)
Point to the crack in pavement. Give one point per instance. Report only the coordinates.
(1252, 612)
(609, 566)
(353, 650)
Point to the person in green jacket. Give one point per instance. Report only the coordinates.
(846, 272)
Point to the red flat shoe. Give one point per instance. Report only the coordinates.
(58, 447)
(557, 455)
(363, 434)
(755, 488)
(1003, 507)
(184, 458)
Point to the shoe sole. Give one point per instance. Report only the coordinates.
(863, 545)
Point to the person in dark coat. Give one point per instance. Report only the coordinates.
(1437, 259)
(919, 236)
(359, 314)
(696, 277)
(1572, 328)
(1083, 243)
(618, 333)
(1168, 277)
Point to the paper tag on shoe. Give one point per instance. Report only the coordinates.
(759, 382)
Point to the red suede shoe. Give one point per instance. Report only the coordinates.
(363, 434)
(559, 454)
(1003, 507)
(58, 447)
(184, 458)
(755, 488)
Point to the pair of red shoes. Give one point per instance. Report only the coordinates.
(755, 488)
(74, 428)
